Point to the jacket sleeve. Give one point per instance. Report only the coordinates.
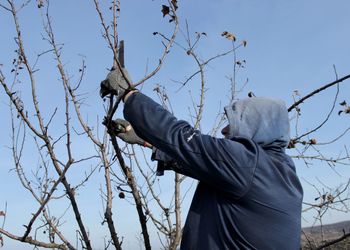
(228, 165)
(164, 162)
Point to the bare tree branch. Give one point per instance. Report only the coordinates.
(132, 184)
(33, 241)
(333, 242)
(326, 86)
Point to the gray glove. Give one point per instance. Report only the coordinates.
(124, 131)
(115, 83)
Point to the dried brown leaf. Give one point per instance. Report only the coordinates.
(330, 198)
(291, 144)
(229, 36)
(165, 10)
(312, 141)
(40, 3)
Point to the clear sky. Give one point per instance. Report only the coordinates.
(291, 45)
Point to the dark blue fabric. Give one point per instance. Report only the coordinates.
(248, 197)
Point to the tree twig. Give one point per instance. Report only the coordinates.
(333, 242)
(33, 241)
(137, 198)
(326, 86)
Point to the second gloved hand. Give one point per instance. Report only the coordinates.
(123, 129)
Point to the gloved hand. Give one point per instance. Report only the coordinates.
(124, 131)
(115, 83)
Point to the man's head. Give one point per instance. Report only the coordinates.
(261, 119)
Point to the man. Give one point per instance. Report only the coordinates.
(248, 196)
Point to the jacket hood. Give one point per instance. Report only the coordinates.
(261, 119)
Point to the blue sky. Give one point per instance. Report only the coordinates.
(291, 45)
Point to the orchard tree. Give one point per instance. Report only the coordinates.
(53, 137)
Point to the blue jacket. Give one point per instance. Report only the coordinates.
(248, 197)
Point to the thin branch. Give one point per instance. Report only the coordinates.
(51, 118)
(116, 10)
(132, 184)
(22, 53)
(166, 49)
(51, 39)
(327, 201)
(82, 73)
(326, 86)
(204, 64)
(4, 7)
(69, 190)
(335, 139)
(55, 229)
(322, 158)
(19, 108)
(175, 241)
(108, 211)
(333, 242)
(325, 120)
(44, 202)
(160, 226)
(201, 102)
(38, 57)
(33, 241)
(114, 49)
